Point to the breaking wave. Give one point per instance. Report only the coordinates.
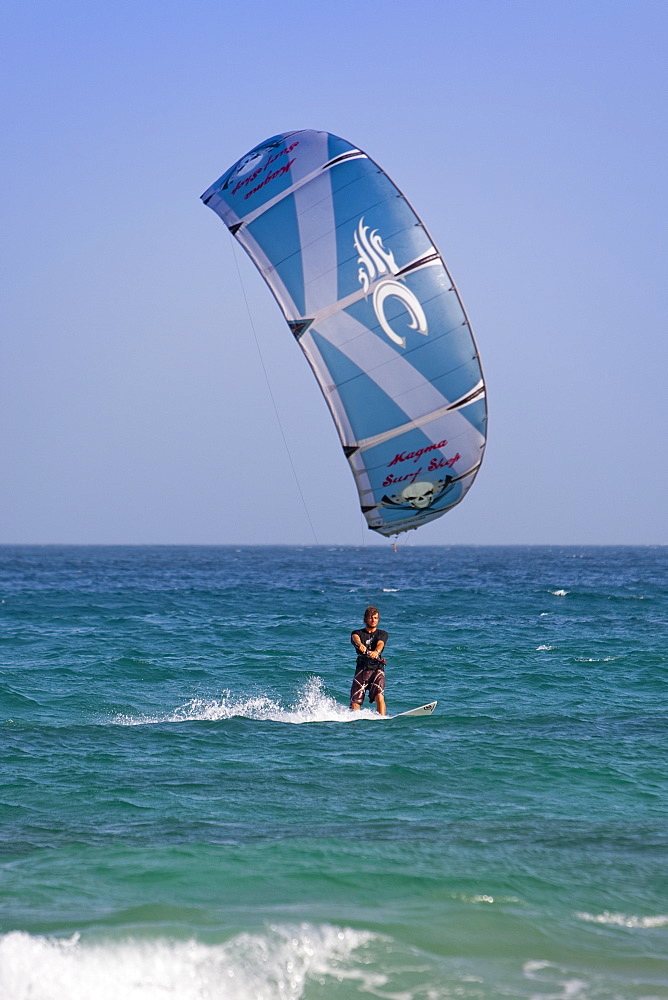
(622, 920)
(276, 965)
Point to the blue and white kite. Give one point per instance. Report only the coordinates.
(374, 309)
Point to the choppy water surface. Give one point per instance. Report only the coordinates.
(189, 809)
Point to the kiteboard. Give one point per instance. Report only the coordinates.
(422, 710)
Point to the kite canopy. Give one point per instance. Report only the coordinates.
(373, 307)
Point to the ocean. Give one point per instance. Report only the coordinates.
(188, 808)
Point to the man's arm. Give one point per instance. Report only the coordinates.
(380, 646)
(358, 644)
(375, 653)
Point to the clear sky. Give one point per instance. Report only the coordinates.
(530, 135)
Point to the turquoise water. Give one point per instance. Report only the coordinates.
(188, 809)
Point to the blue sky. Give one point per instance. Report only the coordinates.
(528, 134)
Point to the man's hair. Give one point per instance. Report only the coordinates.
(371, 611)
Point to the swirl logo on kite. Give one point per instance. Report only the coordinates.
(377, 262)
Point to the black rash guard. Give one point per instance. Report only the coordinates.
(370, 640)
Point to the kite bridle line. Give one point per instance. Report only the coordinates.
(271, 394)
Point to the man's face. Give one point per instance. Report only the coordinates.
(372, 620)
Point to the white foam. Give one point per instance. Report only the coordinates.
(312, 704)
(554, 977)
(622, 920)
(559, 593)
(485, 898)
(275, 965)
(540, 649)
(594, 659)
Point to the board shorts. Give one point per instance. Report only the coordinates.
(371, 681)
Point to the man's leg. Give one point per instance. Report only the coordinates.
(357, 691)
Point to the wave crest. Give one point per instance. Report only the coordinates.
(622, 920)
(275, 965)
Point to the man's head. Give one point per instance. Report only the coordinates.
(372, 617)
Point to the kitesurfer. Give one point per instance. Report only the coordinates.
(370, 669)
